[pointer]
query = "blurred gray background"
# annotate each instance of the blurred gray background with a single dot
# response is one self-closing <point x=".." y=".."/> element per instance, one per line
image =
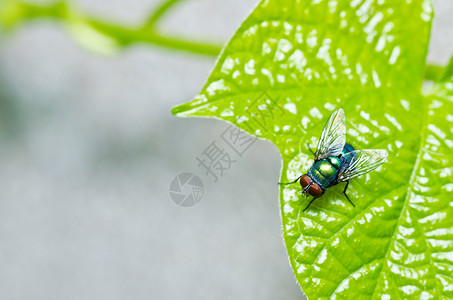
<point x="88" y="148"/>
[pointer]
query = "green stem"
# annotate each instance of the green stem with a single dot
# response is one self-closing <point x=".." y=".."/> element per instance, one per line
<point x="126" y="37"/>
<point x="160" y="11"/>
<point x="448" y="71"/>
<point x="439" y="73"/>
<point x="433" y="72"/>
<point x="17" y="13"/>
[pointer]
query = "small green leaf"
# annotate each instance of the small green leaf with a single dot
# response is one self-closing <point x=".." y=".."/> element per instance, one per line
<point x="287" y="68"/>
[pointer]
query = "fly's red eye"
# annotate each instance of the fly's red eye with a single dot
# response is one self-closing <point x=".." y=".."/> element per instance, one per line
<point x="315" y="190"/>
<point x="305" y="180"/>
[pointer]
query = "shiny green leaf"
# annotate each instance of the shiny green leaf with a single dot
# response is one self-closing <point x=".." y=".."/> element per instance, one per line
<point x="287" y="68"/>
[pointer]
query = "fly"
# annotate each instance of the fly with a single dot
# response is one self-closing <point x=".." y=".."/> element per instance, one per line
<point x="336" y="161"/>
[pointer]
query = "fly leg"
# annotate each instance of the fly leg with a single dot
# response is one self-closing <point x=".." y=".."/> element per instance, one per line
<point x="283" y="183"/>
<point x="310" y="203"/>
<point x="344" y="192"/>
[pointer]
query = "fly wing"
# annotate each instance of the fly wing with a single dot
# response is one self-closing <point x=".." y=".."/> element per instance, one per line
<point x="333" y="136"/>
<point x="361" y="162"/>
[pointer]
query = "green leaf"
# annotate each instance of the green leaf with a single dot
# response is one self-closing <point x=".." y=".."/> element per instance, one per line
<point x="287" y="68"/>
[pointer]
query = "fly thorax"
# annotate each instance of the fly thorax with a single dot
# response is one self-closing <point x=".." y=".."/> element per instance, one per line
<point x="334" y="161"/>
<point x="325" y="171"/>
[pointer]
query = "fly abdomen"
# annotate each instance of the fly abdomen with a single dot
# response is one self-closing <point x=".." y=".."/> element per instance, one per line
<point x="345" y="159"/>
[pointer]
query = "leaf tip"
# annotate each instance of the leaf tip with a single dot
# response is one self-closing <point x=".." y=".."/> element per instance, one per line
<point x="176" y="110"/>
<point x="180" y="110"/>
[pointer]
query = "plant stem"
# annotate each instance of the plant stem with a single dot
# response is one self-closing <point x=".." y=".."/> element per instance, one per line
<point x="439" y="73"/>
<point x="448" y="70"/>
<point x="433" y="72"/>
<point x="159" y="12"/>
<point x="18" y="12"/>
<point x="128" y="36"/>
